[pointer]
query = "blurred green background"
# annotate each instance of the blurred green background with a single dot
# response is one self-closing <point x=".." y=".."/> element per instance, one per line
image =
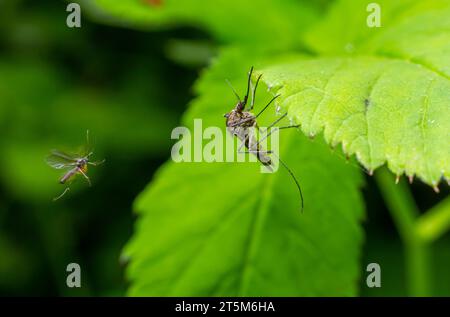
<point x="55" y="83"/>
<point x="129" y="88"/>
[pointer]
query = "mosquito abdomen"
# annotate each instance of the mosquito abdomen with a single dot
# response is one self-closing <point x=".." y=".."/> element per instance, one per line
<point x="264" y="159"/>
<point x="66" y="177"/>
<point x="258" y="151"/>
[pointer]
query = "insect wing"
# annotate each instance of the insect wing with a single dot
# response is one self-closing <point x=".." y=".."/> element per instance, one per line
<point x="245" y="135"/>
<point x="60" y="160"/>
<point x="240" y="132"/>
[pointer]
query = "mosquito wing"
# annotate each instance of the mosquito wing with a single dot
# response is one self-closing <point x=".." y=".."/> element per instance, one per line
<point x="245" y="135"/>
<point x="248" y="139"/>
<point x="240" y="132"/>
<point x="60" y="160"/>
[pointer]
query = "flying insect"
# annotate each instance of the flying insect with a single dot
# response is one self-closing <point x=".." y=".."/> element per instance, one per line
<point x="73" y="164"/>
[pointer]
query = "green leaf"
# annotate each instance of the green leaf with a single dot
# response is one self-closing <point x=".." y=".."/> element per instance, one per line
<point x="275" y="24"/>
<point x="387" y="102"/>
<point x="379" y="109"/>
<point x="344" y="29"/>
<point x="227" y="229"/>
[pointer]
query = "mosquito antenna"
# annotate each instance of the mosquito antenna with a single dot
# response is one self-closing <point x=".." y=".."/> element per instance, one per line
<point x="295" y="180"/>
<point x="263" y="109"/>
<point x="232" y="88"/>
<point x="254" y="92"/>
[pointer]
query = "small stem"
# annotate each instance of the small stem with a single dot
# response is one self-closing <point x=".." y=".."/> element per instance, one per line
<point x="417" y="266"/>
<point x="400" y="203"/>
<point x="435" y="222"/>
<point x="404" y="212"/>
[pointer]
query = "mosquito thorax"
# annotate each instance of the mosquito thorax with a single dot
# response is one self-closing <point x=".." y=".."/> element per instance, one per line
<point x="82" y="162"/>
<point x="237" y="118"/>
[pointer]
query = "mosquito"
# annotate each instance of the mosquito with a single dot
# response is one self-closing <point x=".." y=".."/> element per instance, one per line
<point x="241" y="122"/>
<point x="72" y="164"/>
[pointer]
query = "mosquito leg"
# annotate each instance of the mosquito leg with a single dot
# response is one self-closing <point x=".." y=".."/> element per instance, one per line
<point x="290" y="126"/>
<point x="244" y="142"/>
<point x="96" y="163"/>
<point x="244" y="102"/>
<point x="276" y="121"/>
<point x="252" y="148"/>
<point x="85" y="176"/>
<point x="250" y="145"/>
<point x="63" y="193"/>
<point x="288" y="170"/>
<point x="242" y="145"/>
<point x="261" y="155"/>
<point x="263" y="109"/>
<point x="88" y="146"/>
<point x="251" y="140"/>
<point x="251" y="118"/>
<point x="241" y="122"/>
<point x="280" y="128"/>
<point x="254" y="93"/>
<point x="255" y="152"/>
<point x="295" y="180"/>
<point x="271" y="131"/>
